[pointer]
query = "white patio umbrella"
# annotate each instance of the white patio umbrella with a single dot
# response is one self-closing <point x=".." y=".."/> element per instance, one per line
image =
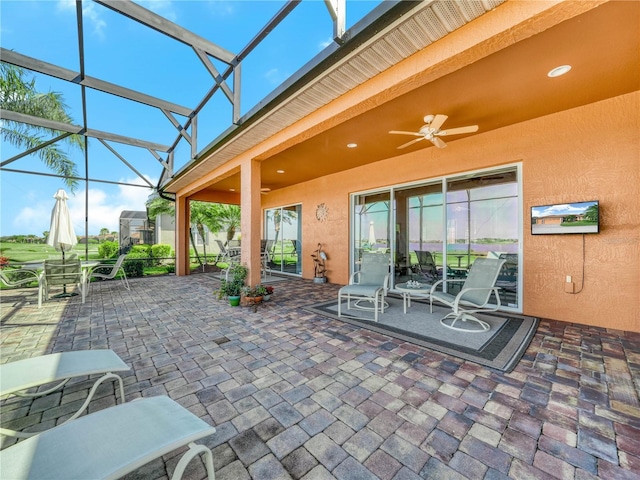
<point x="61" y="234"/>
<point x="372" y="235"/>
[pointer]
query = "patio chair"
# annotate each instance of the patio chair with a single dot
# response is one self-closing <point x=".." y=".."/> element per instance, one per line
<point x="62" y="272"/>
<point x="474" y="296"/>
<point x="111" y="443"/>
<point x="426" y="266"/>
<point x="108" y="271"/>
<point x="370" y="284"/>
<point x="58" y="368"/>
<point x="16" y="277"/>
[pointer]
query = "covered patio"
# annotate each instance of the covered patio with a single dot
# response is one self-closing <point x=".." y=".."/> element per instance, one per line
<point x="297" y="395"/>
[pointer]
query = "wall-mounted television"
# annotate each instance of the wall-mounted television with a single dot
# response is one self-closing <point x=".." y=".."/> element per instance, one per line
<point x="578" y="217"/>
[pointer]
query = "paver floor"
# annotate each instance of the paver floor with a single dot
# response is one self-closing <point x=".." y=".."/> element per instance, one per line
<point x="297" y="395"/>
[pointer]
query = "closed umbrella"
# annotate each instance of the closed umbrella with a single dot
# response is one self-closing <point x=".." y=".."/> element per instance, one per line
<point x="372" y="235"/>
<point x="61" y="234"/>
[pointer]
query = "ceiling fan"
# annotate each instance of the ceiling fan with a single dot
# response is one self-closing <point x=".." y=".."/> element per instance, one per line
<point x="431" y="131"/>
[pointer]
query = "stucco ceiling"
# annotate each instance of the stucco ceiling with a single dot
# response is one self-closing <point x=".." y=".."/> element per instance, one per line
<point x="504" y="88"/>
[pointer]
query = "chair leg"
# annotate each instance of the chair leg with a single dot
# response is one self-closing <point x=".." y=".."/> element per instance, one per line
<point x="124" y="277"/>
<point x="193" y="451"/>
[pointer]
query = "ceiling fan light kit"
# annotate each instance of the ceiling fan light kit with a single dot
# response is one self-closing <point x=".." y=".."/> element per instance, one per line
<point x="431" y="131"/>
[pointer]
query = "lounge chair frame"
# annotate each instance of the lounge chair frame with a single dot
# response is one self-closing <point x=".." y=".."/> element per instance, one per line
<point x="58" y="368"/>
<point x="112" y="442"/>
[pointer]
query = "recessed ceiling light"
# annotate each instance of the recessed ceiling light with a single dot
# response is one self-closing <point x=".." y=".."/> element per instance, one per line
<point x="232" y="189"/>
<point x="279" y="171"/>
<point x="561" y="70"/>
<point x="265" y="189"/>
<point x="352" y="145"/>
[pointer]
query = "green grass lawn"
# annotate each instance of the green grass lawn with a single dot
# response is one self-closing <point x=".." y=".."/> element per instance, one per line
<point x="33" y="252"/>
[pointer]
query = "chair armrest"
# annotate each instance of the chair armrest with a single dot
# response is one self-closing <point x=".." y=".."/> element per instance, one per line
<point x="460" y="294"/>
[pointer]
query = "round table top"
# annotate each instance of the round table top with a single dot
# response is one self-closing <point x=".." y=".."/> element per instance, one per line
<point x="423" y="288"/>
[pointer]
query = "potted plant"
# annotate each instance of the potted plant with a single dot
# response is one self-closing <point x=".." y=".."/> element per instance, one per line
<point x="269" y="290"/>
<point x="231" y="286"/>
<point x="319" y="267"/>
<point x="254" y="294"/>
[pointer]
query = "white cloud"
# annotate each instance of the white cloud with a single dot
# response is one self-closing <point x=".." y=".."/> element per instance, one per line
<point x="161" y="7"/>
<point x="90" y="13"/>
<point x="325" y="43"/>
<point x="104" y="209"/>
<point x="274" y="77"/>
<point x="221" y="8"/>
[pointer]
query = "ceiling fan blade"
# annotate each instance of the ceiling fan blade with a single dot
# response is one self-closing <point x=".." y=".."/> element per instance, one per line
<point x="438" y="121"/>
<point x="459" y="130"/>
<point x="405" y="133"/>
<point x="410" y="143"/>
<point x="438" y="142"/>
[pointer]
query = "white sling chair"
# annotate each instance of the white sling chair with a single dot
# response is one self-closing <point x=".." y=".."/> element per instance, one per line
<point x="58" y="368"/>
<point x="111" y="442"/>
<point x="370" y="284"/>
<point x="108" y="271"/>
<point x="474" y="296"/>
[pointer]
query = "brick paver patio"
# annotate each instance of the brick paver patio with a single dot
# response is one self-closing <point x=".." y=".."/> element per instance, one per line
<point x="296" y="395"/>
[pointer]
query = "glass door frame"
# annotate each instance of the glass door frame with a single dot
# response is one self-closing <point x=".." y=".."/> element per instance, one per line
<point x="444" y="180"/>
<point x="298" y="239"/>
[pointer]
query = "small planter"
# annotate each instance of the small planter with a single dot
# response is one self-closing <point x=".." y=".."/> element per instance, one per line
<point x="234" y="300"/>
<point x="254" y="300"/>
<point x="319" y="279"/>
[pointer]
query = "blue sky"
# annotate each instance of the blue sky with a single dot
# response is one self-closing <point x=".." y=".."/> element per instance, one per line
<point x="561" y="209"/>
<point x="121" y="51"/>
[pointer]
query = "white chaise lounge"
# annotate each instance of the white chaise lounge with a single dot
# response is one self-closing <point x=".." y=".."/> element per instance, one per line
<point x="111" y="443"/>
<point x="17" y="377"/>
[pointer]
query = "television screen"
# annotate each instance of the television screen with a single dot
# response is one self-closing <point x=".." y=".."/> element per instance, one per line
<point x="580" y="217"/>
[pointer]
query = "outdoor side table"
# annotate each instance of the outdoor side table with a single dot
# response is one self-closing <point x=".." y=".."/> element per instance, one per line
<point x="423" y="291"/>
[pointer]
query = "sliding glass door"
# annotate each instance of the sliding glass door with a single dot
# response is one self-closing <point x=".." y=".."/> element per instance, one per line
<point x="371" y="225"/>
<point x="283" y="236"/>
<point x="441" y="226"/>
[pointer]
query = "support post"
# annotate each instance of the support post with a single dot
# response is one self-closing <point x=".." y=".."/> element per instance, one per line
<point x="250" y="221"/>
<point x="182" y="235"/>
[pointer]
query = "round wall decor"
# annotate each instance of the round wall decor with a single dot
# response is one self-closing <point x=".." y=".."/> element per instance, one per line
<point x="322" y="212"/>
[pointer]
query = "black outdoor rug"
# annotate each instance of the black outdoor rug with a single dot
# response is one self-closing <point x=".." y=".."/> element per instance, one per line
<point x="500" y="348"/>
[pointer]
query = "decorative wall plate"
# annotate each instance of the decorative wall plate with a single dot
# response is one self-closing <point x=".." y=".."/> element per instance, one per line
<point x="322" y="212"/>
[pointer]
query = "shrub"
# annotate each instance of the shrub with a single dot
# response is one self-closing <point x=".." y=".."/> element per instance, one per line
<point x="141" y="248"/>
<point x="108" y="249"/>
<point x="133" y="267"/>
<point x="141" y="257"/>
<point x="160" y="251"/>
<point x="171" y="268"/>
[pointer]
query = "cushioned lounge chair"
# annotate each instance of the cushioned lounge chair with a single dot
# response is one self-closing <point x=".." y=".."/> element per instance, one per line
<point x="110" y="443"/>
<point x="19" y="376"/>
<point x="474" y="296"/>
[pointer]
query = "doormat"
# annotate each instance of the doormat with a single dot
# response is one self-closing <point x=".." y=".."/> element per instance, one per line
<point x="500" y="348"/>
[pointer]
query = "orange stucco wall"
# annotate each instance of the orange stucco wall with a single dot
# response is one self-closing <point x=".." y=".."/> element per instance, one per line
<point x="587" y="153"/>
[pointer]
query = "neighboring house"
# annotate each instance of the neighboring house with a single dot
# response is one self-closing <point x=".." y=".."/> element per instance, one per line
<point x="135" y="229"/>
<point x="321" y="153"/>
<point x="165" y="233"/>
